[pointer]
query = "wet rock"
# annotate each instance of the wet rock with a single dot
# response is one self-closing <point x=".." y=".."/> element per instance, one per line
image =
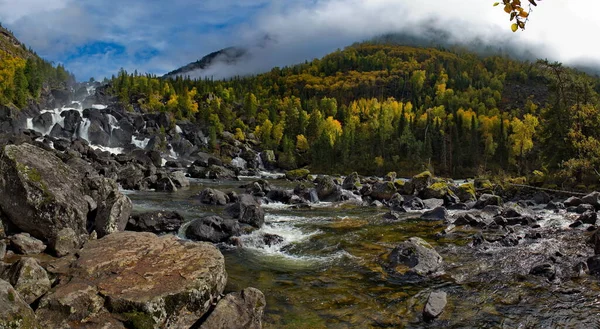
<point x="2" y="251"/>
<point x="439" y="213"/>
<point x="396" y="203"/>
<point x="383" y="191"/>
<point x="165" y="184"/>
<point x="488" y="200"/>
<point x="592" y="199"/>
<point x="15" y="313"/>
<point x="25" y="244"/>
<point x="49" y="193"/>
<point x="131" y="177"/>
<point x="326" y="187"/>
<point x="178" y="177"/>
<point x="213" y="197"/>
<point x="155" y="222"/>
<point x="573" y="202"/>
<point x="554" y="206"/>
<point x="467" y="219"/>
<point x="576" y="224"/>
<point x="218" y="172"/>
<point x="366" y="190"/>
<point x="212" y="229"/>
<point x="593" y="264"/>
<point x="588" y="218"/>
<point x="351" y="182"/>
<point x="282" y="196"/>
<point x="272" y="239"/>
<point x="595" y="241"/>
<point x="584" y="207"/>
<point x="238" y="310"/>
<point x="546" y="270"/>
<point x="436" y="302"/>
<point x="436" y="190"/>
<point x="247" y="210"/>
<point x="394" y="216"/>
<point x="28" y="278"/>
<point x="541" y="198"/>
<point x="510" y="240"/>
<point x="414" y="204"/>
<point x="167" y="282"/>
<point x="197" y="172"/>
<point x="268" y="159"/>
<point x="415" y="256"/>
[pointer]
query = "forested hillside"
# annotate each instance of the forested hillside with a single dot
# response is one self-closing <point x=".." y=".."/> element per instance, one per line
<point x="374" y="108"/>
<point x="23" y="74"/>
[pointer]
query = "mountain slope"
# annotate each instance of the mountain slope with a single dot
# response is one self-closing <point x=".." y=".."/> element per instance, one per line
<point x="227" y="56"/>
<point x="377" y="107"/>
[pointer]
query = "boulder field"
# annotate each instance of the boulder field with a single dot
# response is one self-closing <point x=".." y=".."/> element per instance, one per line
<point x="66" y="261"/>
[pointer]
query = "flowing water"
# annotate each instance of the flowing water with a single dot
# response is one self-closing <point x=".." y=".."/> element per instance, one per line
<point x="330" y="270"/>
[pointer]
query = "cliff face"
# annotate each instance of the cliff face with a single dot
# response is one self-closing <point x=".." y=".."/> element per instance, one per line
<point x="227" y="56"/>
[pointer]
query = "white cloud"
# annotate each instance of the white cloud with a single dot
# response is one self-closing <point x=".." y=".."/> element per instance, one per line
<point x="181" y="31"/>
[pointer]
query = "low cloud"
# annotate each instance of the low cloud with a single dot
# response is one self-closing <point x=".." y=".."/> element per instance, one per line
<point x="172" y="34"/>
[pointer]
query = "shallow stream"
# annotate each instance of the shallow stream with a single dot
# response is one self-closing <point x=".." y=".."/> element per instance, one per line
<point x="330" y="271"/>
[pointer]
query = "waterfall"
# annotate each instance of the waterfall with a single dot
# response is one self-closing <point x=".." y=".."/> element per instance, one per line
<point x="83" y="130"/>
<point x="261" y="165"/>
<point x="29" y="124"/>
<point x="178" y="130"/>
<point x="140" y="143"/>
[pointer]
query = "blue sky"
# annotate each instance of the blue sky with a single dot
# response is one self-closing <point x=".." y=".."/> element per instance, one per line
<point x="94" y="38"/>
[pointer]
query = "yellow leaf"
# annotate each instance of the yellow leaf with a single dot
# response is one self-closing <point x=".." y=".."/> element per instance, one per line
<point x="514" y="27"/>
<point x="496" y="3"/>
<point x="524" y="14"/>
<point x="508" y="8"/>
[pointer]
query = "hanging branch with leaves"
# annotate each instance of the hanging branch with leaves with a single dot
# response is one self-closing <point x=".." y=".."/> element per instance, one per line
<point x="517" y="12"/>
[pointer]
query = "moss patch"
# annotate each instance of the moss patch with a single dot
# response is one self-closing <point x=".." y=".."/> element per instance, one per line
<point x="139" y="320"/>
<point x="297" y="174"/>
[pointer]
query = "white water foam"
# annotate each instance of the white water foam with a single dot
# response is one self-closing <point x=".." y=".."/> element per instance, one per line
<point x="178" y="129"/>
<point x="99" y="107"/>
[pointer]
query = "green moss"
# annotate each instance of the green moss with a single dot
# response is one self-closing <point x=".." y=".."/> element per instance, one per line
<point x="11" y="297"/>
<point x="34" y="176"/>
<point x="466" y="192"/>
<point x="483" y="184"/>
<point x="425" y="174"/>
<point x="139" y="320"/>
<point x="297" y="174"/>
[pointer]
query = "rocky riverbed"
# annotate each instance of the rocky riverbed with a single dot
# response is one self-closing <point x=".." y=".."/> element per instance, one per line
<point x="156" y="235"/>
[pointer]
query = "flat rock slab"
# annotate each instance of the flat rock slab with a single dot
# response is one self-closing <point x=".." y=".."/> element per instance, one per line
<point x="163" y="281"/>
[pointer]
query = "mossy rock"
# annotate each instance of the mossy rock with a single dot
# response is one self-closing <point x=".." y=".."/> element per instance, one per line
<point x="139" y="320"/>
<point x="483" y="184"/>
<point x="466" y="192"/>
<point x="518" y="180"/>
<point x="436" y="190"/>
<point x="297" y="174"/>
<point x="390" y="177"/>
<point x="421" y="181"/>
<point x="537" y="178"/>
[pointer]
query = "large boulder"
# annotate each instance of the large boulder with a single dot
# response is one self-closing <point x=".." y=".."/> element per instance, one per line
<point x="466" y="192"/>
<point x="213" y="197"/>
<point x="15" y="313"/>
<point x="437" y="190"/>
<point x="41" y="194"/>
<point x="155" y="222"/>
<point x="351" y="182"/>
<point x="297" y="174"/>
<point x="162" y="282"/>
<point x="438" y="213"/>
<point x="383" y="191"/>
<point x="421" y="181"/>
<point x="242" y="309"/>
<point x="415" y="256"/>
<point x="212" y="229"/>
<point x="592" y="199"/>
<point x="113" y="207"/>
<point x="325" y="187"/>
<point x="28" y="278"/>
<point x="488" y="200"/>
<point x="247" y="211"/>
